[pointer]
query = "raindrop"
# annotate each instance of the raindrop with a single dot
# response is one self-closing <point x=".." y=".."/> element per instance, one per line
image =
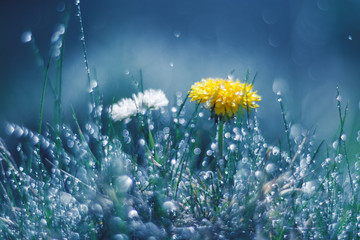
<point x="26" y="37"/>
<point x="60" y="7"/>
<point x="350" y="37"/>
<point x="177" y="34"/>
<point x="269" y="17"/>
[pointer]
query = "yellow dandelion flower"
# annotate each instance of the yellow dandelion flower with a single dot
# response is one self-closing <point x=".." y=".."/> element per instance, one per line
<point x="224" y="97"/>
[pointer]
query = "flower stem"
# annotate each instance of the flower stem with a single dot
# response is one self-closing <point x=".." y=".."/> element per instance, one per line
<point x="220" y="138"/>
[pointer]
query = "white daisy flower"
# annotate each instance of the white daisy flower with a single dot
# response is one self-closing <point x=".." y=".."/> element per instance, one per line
<point x="125" y="108"/>
<point x="154" y="99"/>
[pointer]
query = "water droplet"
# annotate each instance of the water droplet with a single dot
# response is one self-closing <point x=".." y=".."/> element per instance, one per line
<point x="338" y="98"/>
<point x="9" y="129"/>
<point x="141" y="142"/>
<point x="343" y="137"/>
<point x="93" y="85"/>
<point x="350" y="37"/>
<point x="18" y="131"/>
<point x="177" y="34"/>
<point x="133" y="214"/>
<point x="171" y="64"/>
<point x="127" y="72"/>
<point x="258" y="174"/>
<point x="60" y="7"/>
<point x="26" y="37"/>
<point x="169" y="206"/>
<point x="70" y="143"/>
<point x="174" y="109"/>
<point x="335" y="144"/>
<point x="270" y="168"/>
<point x="123" y="183"/>
<point x="275" y="151"/>
<point x="232" y="147"/>
<point x="197" y="151"/>
<point x="201" y="114"/>
<point x="279" y="86"/>
<point x="209" y="152"/>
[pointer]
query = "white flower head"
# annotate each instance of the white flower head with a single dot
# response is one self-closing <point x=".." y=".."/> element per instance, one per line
<point x="154" y="99"/>
<point x="125" y="108"/>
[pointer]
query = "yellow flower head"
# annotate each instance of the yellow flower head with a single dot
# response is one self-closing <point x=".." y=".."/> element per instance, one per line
<point x="224" y="97"/>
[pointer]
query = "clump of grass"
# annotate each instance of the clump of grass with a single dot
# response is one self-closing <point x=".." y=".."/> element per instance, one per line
<point x="158" y="174"/>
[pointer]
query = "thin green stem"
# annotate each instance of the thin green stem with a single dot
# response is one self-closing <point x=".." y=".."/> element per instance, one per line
<point x="220" y="138"/>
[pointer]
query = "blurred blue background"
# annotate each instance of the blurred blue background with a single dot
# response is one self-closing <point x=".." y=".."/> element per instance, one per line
<point x="302" y="48"/>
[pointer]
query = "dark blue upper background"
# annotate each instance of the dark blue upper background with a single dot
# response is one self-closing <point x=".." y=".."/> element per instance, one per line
<point x="303" y="48"/>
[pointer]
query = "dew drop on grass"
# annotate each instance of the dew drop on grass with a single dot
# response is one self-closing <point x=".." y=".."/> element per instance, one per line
<point x="270" y="168"/>
<point x="141" y="142"/>
<point x="227" y="135"/>
<point x="335" y="144"/>
<point x="209" y="152"/>
<point x="275" y="151"/>
<point x="343" y="137"/>
<point x="174" y="109"/>
<point x="133" y="214"/>
<point x="197" y="151"/>
<point x="258" y="174"/>
<point x="9" y="129"/>
<point x="232" y="147"/>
